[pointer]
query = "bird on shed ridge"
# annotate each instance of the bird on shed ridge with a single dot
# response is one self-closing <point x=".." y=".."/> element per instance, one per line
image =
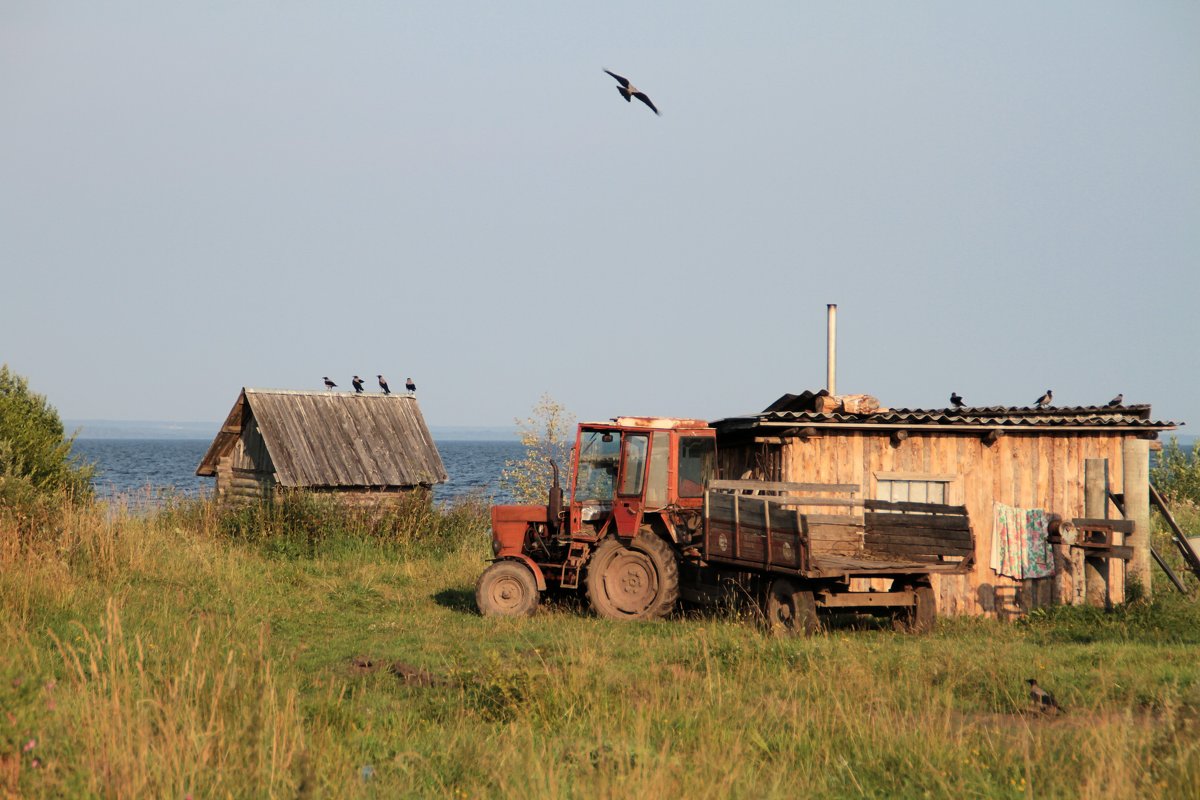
<point x="408" y="384"/>
<point x="383" y="385"/>
<point x="1045" y="399"/>
<point x="1116" y="401"/>
<point x="629" y="91"/>
<point x="357" y="384"/>
<point x="956" y="400"/>
<point x="329" y="385"/>
<point x="1042" y="700"/>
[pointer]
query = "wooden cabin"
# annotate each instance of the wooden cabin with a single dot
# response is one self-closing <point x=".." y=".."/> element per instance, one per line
<point x="365" y="447"/>
<point x="1028" y="458"/>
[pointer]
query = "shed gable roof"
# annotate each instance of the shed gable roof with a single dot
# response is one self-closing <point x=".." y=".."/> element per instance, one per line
<point x="335" y="439"/>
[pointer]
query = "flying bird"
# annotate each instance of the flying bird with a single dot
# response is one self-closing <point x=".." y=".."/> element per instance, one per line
<point x="383" y="385"/>
<point x="329" y="384"/>
<point x="357" y="384"/>
<point x="1045" y="399"/>
<point x="629" y="91"/>
<point x="1116" y="401"/>
<point x="408" y="384"/>
<point x="1042" y="700"/>
<point x="956" y="400"/>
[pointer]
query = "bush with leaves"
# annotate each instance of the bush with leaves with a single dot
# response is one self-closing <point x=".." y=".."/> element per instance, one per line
<point x="547" y="433"/>
<point x="1177" y="473"/>
<point x="36" y="465"/>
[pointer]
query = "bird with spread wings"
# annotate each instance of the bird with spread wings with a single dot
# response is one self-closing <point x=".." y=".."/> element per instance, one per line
<point x="629" y="91"/>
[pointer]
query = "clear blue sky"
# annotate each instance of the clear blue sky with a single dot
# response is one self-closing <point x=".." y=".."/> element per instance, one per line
<point x="1001" y="197"/>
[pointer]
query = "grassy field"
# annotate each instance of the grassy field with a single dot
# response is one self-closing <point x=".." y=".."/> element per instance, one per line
<point x="292" y="654"/>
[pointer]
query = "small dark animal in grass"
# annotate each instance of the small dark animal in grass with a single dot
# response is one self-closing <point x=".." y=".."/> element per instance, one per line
<point x="1045" y="399"/>
<point x="956" y="400"/>
<point x="1116" y="401"/>
<point x="629" y="91"/>
<point x="1042" y="700"/>
<point x="408" y="384"/>
<point x="329" y="385"/>
<point x="383" y="385"/>
<point x="357" y="384"/>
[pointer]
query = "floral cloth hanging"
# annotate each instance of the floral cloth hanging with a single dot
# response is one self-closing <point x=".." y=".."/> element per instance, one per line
<point x="1020" y="545"/>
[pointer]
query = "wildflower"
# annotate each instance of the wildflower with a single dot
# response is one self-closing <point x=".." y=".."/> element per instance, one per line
<point x="32" y="743"/>
<point x="35" y="763"/>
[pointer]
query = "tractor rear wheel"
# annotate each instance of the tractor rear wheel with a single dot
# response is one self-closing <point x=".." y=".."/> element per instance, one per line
<point x="506" y="589"/>
<point x="635" y="581"/>
<point x="791" y="612"/>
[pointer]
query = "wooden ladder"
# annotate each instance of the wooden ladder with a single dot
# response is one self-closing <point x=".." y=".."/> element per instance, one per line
<point x="573" y="566"/>
<point x="1178" y="537"/>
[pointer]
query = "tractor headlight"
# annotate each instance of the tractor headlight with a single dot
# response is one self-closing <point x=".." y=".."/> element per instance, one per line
<point x="495" y="546"/>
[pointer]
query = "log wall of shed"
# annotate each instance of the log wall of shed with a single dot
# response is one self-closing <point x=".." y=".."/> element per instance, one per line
<point x="247" y="472"/>
<point x="1028" y="470"/>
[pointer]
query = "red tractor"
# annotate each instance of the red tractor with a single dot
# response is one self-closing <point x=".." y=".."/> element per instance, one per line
<point x="635" y="510"/>
<point x="648" y="519"/>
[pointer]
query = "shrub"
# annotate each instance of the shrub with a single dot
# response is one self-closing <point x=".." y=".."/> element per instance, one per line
<point x="36" y="465"/>
<point x="1177" y="473"/>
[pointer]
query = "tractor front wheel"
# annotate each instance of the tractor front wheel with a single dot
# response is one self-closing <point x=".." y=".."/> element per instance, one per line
<point x="635" y="581"/>
<point x="506" y="589"/>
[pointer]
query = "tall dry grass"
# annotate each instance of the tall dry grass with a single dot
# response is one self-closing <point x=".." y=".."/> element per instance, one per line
<point x="191" y="652"/>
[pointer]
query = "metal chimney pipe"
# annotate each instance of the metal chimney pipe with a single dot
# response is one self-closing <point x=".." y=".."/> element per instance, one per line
<point x="831" y="360"/>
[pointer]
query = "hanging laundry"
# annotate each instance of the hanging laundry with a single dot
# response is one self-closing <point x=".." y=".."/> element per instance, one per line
<point x="1020" y="545"/>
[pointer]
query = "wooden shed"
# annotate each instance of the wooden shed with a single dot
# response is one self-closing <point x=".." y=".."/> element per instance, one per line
<point x="362" y="446"/>
<point x="1028" y="458"/>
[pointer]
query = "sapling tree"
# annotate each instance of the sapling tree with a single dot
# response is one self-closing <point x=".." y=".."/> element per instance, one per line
<point x="547" y="433"/>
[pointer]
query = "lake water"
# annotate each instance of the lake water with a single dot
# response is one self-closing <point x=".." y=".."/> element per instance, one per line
<point x="145" y="469"/>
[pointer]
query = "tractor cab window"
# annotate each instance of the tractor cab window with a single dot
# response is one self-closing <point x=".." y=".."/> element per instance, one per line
<point x="697" y="464"/>
<point x="599" y="454"/>
<point x="633" y="466"/>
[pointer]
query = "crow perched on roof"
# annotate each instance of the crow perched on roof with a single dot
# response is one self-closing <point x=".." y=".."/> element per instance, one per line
<point x="1042" y="700"/>
<point x="357" y="384"/>
<point x="1116" y="401"/>
<point x="408" y="384"/>
<point x="1045" y="399"/>
<point x="629" y="91"/>
<point x="956" y="400"/>
<point x="383" y="385"/>
<point x="329" y="384"/>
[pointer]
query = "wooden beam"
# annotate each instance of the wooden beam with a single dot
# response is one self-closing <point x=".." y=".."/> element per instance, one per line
<point x="785" y="486"/>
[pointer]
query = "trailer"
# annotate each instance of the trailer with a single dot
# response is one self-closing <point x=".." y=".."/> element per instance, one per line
<point x="646" y="520"/>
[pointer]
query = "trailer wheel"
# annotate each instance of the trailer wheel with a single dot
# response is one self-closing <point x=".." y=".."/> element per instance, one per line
<point x="791" y="612"/>
<point x="921" y="617"/>
<point x="506" y="589"/>
<point x="635" y="581"/>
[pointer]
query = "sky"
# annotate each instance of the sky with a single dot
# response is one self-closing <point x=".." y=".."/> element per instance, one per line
<point x="1000" y="197"/>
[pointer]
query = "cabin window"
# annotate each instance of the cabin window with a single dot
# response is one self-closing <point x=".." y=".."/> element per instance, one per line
<point x="633" y="463"/>
<point x="913" y="487"/>
<point x="697" y="463"/>
<point x="597" y="466"/>
<point x="656" y="485"/>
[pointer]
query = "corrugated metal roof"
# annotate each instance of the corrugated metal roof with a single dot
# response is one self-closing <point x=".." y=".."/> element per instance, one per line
<point x="335" y="439"/>
<point x="789" y="409"/>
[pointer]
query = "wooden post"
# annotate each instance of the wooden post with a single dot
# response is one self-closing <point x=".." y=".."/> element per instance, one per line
<point x="1095" y="503"/>
<point x="1135" y="458"/>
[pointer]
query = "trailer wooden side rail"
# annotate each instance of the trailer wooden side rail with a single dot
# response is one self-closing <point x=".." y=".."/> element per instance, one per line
<point x="776" y="529"/>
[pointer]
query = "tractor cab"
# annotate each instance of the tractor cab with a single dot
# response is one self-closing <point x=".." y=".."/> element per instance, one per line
<point x="633" y="467"/>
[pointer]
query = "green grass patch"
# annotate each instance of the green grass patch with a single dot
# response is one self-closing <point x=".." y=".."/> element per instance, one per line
<point x="264" y="654"/>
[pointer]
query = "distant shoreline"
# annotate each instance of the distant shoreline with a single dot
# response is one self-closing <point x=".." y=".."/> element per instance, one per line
<point x="158" y="429"/>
